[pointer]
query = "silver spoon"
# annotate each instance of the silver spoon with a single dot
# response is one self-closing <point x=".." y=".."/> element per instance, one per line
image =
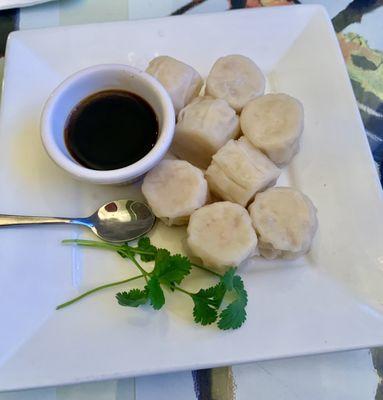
<point x="116" y="221"/>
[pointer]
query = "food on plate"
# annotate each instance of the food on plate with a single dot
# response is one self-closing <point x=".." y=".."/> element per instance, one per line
<point x="280" y="222"/>
<point x="285" y="221"/>
<point x="203" y="127"/>
<point x="236" y="79"/>
<point x="174" y="189"/>
<point x="221" y="235"/>
<point x="181" y="81"/>
<point x="274" y="123"/>
<point x="238" y="171"/>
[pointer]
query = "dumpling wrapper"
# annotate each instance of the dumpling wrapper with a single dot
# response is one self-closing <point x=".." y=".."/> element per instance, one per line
<point x="238" y="171"/>
<point x="285" y="221"/>
<point x="174" y="189"/>
<point x="180" y="80"/>
<point x="236" y="79"/>
<point x="274" y="124"/>
<point x="221" y="235"/>
<point x="203" y="127"/>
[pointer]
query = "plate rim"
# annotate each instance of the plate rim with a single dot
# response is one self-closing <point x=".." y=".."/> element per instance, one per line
<point x="22" y="4"/>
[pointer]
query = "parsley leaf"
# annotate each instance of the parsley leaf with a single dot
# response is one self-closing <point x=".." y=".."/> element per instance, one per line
<point x="170" y="269"/>
<point x="133" y="298"/>
<point x="203" y="312"/>
<point x="214" y="294"/>
<point x="124" y="251"/>
<point x="155" y="293"/>
<point x="239" y="288"/>
<point x="207" y="303"/>
<point x="145" y="245"/>
<point x="234" y="315"/>
<point x="227" y="279"/>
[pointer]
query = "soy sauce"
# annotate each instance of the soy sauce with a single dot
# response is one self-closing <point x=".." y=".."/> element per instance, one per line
<point x="111" y="129"/>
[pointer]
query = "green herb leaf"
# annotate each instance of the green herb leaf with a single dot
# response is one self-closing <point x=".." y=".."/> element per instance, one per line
<point x="227" y="279"/>
<point x="214" y="294"/>
<point x="124" y="251"/>
<point x="133" y="298"/>
<point x="207" y="303"/>
<point x="234" y="315"/>
<point x="155" y="293"/>
<point x="203" y="312"/>
<point x="239" y="288"/>
<point x="170" y="269"/>
<point x="145" y="245"/>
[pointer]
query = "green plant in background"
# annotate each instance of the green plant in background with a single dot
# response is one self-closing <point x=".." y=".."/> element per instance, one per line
<point x="365" y="68"/>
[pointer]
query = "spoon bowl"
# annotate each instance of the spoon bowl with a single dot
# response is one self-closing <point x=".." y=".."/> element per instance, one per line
<point x="117" y="221"/>
<point x="121" y="220"/>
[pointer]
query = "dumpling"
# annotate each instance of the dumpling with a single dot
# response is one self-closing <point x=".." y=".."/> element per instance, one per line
<point x="181" y="81"/>
<point x="203" y="127"/>
<point x="174" y="189"/>
<point x="238" y="171"/>
<point x="221" y="235"/>
<point x="274" y="123"/>
<point x="285" y="221"/>
<point x="236" y="79"/>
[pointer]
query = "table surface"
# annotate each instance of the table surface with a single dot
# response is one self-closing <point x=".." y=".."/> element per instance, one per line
<point x="354" y="375"/>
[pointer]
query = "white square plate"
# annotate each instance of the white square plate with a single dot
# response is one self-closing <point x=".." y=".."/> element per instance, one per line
<point x="316" y="304"/>
<point x="5" y="4"/>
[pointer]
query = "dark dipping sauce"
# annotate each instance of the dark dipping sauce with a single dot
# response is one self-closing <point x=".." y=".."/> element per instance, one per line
<point x="111" y="129"/>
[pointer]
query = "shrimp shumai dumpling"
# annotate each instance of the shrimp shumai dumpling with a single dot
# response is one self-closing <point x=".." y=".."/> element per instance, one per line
<point x="221" y="235"/>
<point x="203" y="127"/>
<point x="274" y="124"/>
<point x="285" y="221"/>
<point x="174" y="189"/>
<point x="180" y="80"/>
<point x="238" y="171"/>
<point x="236" y="79"/>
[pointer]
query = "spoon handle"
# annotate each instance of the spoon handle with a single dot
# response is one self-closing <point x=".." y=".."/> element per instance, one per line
<point x="8" y="220"/>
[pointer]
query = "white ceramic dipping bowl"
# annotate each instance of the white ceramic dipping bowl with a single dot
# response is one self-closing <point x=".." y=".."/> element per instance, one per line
<point x="92" y="80"/>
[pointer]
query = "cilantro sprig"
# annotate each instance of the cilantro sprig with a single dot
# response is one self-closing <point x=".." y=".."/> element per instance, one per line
<point x="209" y="304"/>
